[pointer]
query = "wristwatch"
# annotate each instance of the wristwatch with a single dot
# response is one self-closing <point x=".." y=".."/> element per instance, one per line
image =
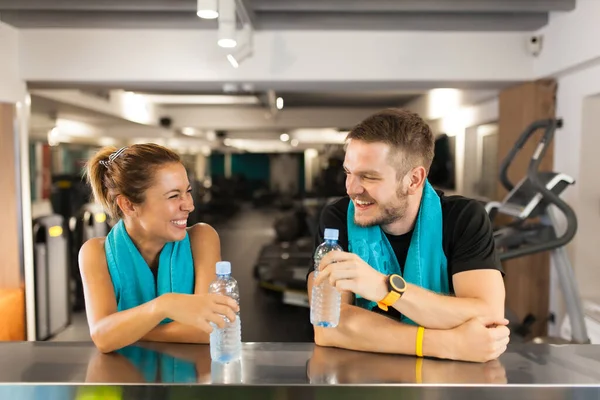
<point x="396" y="286"/>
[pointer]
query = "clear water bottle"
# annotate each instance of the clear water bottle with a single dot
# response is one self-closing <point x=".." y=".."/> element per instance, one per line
<point x="226" y="372"/>
<point x="226" y="343"/>
<point x="325" y="299"/>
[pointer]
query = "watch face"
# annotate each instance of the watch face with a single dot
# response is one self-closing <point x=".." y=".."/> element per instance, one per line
<point x="397" y="282"/>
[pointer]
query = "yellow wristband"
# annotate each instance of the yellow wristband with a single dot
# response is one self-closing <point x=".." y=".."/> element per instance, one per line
<point x="419" y="370"/>
<point x="420" y="332"/>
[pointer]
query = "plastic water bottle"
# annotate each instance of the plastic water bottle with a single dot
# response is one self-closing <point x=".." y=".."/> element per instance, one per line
<point x="325" y="298"/>
<point x="226" y="343"/>
<point x="226" y="372"/>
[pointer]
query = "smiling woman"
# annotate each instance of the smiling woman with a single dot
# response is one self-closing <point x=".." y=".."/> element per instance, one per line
<point x="148" y="279"/>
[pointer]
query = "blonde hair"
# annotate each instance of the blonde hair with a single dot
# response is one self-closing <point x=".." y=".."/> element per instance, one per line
<point x="128" y="171"/>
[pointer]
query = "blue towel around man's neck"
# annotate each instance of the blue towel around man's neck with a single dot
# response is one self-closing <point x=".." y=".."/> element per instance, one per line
<point x="132" y="279"/>
<point x="426" y="264"/>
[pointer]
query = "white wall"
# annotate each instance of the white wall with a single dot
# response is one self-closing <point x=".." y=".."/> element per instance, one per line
<point x="570" y="40"/>
<point x="279" y="56"/>
<point x="12" y="88"/>
<point x="571" y="55"/>
<point x="588" y="203"/>
<point x="572" y="90"/>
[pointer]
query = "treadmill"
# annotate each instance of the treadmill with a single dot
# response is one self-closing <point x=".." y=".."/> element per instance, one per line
<point x="532" y="203"/>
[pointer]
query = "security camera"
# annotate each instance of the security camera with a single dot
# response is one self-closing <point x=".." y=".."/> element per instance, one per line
<point x="534" y="44"/>
<point x="165" y="122"/>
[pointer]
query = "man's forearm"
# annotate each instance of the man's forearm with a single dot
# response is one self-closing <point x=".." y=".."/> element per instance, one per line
<point x="364" y="330"/>
<point x="175" y="332"/>
<point x="436" y="311"/>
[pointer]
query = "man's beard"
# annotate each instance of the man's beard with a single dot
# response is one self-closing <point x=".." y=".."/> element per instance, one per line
<point x="389" y="213"/>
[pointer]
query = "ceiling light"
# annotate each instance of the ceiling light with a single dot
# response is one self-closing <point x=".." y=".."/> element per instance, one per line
<point x="235" y="59"/>
<point x="311" y="153"/>
<point x="294" y="142"/>
<point x="284" y="137"/>
<point x="206" y="150"/>
<point x="227" y="43"/>
<point x="232" y="61"/>
<point x="53" y="137"/>
<point x="279" y="103"/>
<point x="211" y="135"/>
<point x="227" y="24"/>
<point x="107" y="141"/>
<point x="207" y="99"/>
<point x="244" y="47"/>
<point x="207" y="9"/>
<point x="188" y="131"/>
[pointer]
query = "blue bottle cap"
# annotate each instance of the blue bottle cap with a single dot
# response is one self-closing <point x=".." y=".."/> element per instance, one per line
<point x="223" y="268"/>
<point x="331" y="234"/>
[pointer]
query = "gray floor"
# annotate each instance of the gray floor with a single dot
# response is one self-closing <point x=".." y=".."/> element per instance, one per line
<point x="264" y="318"/>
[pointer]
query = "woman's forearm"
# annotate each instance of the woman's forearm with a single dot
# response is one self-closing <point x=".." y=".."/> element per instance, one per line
<point x="123" y="328"/>
<point x="176" y="332"/>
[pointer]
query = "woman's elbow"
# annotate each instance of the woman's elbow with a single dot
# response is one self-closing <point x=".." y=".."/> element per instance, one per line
<point x="322" y="337"/>
<point x="100" y="341"/>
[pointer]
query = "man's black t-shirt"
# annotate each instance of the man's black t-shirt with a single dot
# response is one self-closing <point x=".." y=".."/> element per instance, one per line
<point x="467" y="237"/>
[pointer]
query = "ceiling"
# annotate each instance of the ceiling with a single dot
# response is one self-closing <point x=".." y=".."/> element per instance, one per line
<point x="431" y="15"/>
<point x="304" y="101"/>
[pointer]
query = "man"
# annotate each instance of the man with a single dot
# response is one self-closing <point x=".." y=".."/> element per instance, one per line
<point x="419" y="274"/>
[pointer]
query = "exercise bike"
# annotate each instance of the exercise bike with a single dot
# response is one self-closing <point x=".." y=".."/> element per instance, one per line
<point x="535" y="227"/>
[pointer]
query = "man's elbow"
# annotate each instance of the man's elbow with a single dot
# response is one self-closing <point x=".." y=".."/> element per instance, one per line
<point x="493" y="311"/>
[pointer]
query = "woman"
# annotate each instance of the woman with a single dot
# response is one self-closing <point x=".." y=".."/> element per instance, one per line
<point x="148" y="279"/>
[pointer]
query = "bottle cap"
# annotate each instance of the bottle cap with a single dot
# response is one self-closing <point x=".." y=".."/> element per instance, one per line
<point x="223" y="268"/>
<point x="331" y="234"/>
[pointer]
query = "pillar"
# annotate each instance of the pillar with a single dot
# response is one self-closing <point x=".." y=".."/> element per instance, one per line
<point x="527" y="278"/>
<point x="14" y="181"/>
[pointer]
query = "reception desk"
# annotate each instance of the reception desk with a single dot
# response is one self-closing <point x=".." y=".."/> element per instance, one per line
<point x="72" y="370"/>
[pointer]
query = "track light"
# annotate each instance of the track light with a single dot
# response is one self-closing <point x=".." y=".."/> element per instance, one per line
<point x="244" y="48"/>
<point x="233" y="61"/>
<point x="227" y="43"/>
<point x="227" y="24"/>
<point x="207" y="9"/>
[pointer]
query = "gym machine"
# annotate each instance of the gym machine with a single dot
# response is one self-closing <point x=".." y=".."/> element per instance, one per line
<point x="535" y="228"/>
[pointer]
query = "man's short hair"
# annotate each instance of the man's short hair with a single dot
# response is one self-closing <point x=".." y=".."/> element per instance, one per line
<point x="406" y="133"/>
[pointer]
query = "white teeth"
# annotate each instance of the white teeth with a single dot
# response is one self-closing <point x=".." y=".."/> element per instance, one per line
<point x="181" y="222"/>
<point x="362" y="203"/>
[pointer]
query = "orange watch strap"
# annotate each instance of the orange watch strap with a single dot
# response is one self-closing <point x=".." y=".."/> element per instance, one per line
<point x="388" y="300"/>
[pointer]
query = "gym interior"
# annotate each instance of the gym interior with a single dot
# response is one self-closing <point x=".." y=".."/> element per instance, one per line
<point x="511" y="90"/>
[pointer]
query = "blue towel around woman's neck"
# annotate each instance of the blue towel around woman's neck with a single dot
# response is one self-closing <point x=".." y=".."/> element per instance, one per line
<point x="426" y="264"/>
<point x="132" y="279"/>
<point x="158" y="367"/>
